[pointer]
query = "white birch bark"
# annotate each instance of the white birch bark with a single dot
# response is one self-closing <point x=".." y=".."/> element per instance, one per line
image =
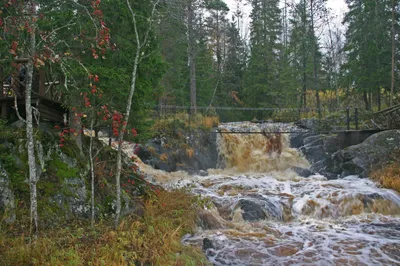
<point x="138" y="56"/>
<point x="92" y="173"/>
<point x="29" y="130"/>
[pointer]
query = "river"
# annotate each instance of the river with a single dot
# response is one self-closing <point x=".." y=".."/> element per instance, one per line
<point x="263" y="213"/>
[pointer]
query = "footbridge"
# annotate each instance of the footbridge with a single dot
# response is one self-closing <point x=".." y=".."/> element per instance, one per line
<point x="351" y="124"/>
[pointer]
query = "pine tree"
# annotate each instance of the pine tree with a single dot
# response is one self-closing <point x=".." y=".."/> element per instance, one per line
<point x="262" y="77"/>
<point x="368" y="47"/>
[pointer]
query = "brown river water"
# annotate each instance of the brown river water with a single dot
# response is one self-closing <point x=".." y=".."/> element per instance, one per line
<point x="262" y="213"/>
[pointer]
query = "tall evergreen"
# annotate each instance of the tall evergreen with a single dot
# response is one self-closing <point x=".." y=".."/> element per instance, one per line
<point x="232" y="81"/>
<point x="262" y="78"/>
<point x="368" y="47"/>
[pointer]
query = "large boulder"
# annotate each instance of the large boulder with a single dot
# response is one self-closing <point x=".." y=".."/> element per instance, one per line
<point x="303" y="172"/>
<point x="257" y="207"/>
<point x="318" y="150"/>
<point x="191" y="152"/>
<point x="363" y="158"/>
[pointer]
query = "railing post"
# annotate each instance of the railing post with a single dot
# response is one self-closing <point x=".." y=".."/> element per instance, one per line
<point x="348" y="118"/>
<point x="356" y="117"/>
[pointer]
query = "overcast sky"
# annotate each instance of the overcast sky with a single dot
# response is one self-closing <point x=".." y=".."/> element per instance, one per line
<point x="338" y="8"/>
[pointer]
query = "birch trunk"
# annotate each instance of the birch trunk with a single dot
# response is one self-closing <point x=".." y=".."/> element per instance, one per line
<point x="92" y="172"/>
<point x="121" y="136"/>
<point x="138" y="56"/>
<point x="29" y="133"/>
<point x="393" y="52"/>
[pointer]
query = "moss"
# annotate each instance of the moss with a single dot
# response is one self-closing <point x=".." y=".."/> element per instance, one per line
<point x="61" y="169"/>
<point x="15" y="173"/>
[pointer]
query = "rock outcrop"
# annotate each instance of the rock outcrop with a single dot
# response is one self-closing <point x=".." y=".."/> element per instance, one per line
<point x="370" y="155"/>
<point x="192" y="153"/>
<point x="63" y="185"/>
<point x="318" y="150"/>
<point x="326" y="158"/>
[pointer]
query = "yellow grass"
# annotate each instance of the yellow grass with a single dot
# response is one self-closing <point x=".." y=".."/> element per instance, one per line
<point x="164" y="157"/>
<point x="154" y="239"/>
<point x="388" y="177"/>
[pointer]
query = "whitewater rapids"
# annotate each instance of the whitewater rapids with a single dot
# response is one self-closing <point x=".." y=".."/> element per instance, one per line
<point x="263" y="213"/>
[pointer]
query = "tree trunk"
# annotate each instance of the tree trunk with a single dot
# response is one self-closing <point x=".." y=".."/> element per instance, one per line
<point x="29" y="133"/>
<point x="91" y="161"/>
<point x="379" y="98"/>
<point x="304" y="56"/>
<point x="365" y="97"/>
<point x="192" y="60"/>
<point x="370" y="101"/>
<point x="393" y="52"/>
<point x="315" y="62"/>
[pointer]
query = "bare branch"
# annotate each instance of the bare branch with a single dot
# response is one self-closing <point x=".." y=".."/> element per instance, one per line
<point x="55" y="30"/>
<point x="16" y="108"/>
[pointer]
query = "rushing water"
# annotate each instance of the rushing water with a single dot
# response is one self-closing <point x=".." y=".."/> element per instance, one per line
<point x="265" y="214"/>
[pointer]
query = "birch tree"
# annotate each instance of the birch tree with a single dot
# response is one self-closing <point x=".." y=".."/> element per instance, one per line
<point x="141" y="39"/>
<point x="40" y="44"/>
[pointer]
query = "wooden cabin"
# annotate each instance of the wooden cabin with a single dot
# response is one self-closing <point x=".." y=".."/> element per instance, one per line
<point x="45" y="95"/>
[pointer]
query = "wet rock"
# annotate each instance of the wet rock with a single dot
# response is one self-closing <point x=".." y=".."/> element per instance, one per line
<point x="203" y="173"/>
<point x="331" y="144"/>
<point x="259" y="208"/>
<point x="143" y="153"/>
<point x="208" y="221"/>
<point x="7" y="199"/>
<point x="303" y="172"/>
<point x="251" y="210"/>
<point x="323" y="168"/>
<point x="207" y="244"/>
<point x="318" y="149"/>
<point x="314" y="153"/>
<point x="363" y="158"/>
<point x="315" y="140"/>
<point x="297" y="139"/>
<point x="200" y="152"/>
<point x="223" y="210"/>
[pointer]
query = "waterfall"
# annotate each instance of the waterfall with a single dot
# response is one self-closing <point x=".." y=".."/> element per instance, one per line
<point x="259" y="152"/>
<point x="263" y="213"/>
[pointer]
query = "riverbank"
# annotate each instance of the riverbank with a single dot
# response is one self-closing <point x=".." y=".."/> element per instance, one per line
<point x="153" y="239"/>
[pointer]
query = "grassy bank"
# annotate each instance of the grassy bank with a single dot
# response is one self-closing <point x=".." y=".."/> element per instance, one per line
<point x="388" y="177"/>
<point x="154" y="239"/>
